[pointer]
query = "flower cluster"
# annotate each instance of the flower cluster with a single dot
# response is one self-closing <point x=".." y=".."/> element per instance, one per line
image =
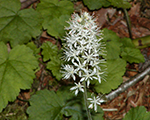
<point x="83" y="50"/>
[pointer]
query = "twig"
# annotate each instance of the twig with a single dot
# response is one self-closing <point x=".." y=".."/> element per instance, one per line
<point x="127" y="84"/>
<point x="110" y="109"/>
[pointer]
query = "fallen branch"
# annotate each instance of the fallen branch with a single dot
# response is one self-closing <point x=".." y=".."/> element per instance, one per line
<point x="127" y="84"/>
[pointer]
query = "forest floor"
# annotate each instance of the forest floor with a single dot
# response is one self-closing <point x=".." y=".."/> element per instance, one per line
<point x="113" y="19"/>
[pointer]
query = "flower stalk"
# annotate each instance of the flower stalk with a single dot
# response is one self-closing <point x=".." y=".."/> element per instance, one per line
<point x="86" y="103"/>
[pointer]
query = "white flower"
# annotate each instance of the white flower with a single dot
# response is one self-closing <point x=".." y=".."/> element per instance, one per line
<point x="86" y="16"/>
<point x="69" y="72"/>
<point x="89" y="56"/>
<point x="71" y="40"/>
<point x="71" y="54"/>
<point x="94" y="102"/>
<point x="77" y="88"/>
<point x="88" y="76"/>
<point x="82" y="46"/>
<point x="80" y="66"/>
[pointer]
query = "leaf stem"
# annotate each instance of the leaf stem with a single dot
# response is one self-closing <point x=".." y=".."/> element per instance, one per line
<point x="85" y="101"/>
<point x="128" y="22"/>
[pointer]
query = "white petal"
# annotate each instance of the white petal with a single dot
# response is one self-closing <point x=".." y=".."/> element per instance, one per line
<point x="76" y="92"/>
<point x="82" y="79"/>
<point x="89" y="99"/>
<point x="82" y="90"/>
<point x="101" y="100"/>
<point x="73" y="88"/>
<point x="95" y="107"/>
<point x="90" y="106"/>
<point x="98" y="103"/>
<point x="88" y="83"/>
<point x="74" y="78"/>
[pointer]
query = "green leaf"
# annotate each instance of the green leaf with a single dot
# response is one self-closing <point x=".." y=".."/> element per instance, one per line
<point x="35" y="50"/>
<point x="129" y="52"/>
<point x="57" y="30"/>
<point x="115" y="71"/>
<point x="124" y="47"/>
<point x="138" y="113"/>
<point x="120" y="3"/>
<point x="16" y="71"/>
<point x="132" y="55"/>
<point x="18" y="26"/>
<point x="49" y="50"/>
<point x="74" y="104"/>
<point x="55" y="65"/>
<point x="47" y="105"/>
<point x="96" y="4"/>
<point x="55" y="14"/>
<point x="115" y="65"/>
<point x="112" y="44"/>
<point x="127" y="42"/>
<point x="99" y="114"/>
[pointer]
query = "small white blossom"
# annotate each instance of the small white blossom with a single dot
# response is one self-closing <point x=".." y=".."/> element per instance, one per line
<point x="71" y="54"/>
<point x="89" y="56"/>
<point x="78" y="88"/>
<point x="80" y="66"/>
<point x="69" y="72"/>
<point x="94" y="102"/>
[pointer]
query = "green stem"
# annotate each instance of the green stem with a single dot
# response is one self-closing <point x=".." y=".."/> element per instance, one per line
<point x="85" y="101"/>
<point x="128" y="22"/>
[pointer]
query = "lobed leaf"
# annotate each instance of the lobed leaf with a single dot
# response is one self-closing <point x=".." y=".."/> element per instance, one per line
<point x="16" y="71"/>
<point x="112" y="44"/>
<point x="34" y="48"/>
<point x="49" y="50"/>
<point x="18" y="26"/>
<point x="54" y="65"/>
<point x="117" y="47"/>
<point x="120" y="3"/>
<point x="115" y="71"/>
<point x="138" y="113"/>
<point x="132" y="55"/>
<point x="127" y="42"/>
<point x="55" y="14"/>
<point x="47" y="105"/>
<point x="96" y="4"/>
